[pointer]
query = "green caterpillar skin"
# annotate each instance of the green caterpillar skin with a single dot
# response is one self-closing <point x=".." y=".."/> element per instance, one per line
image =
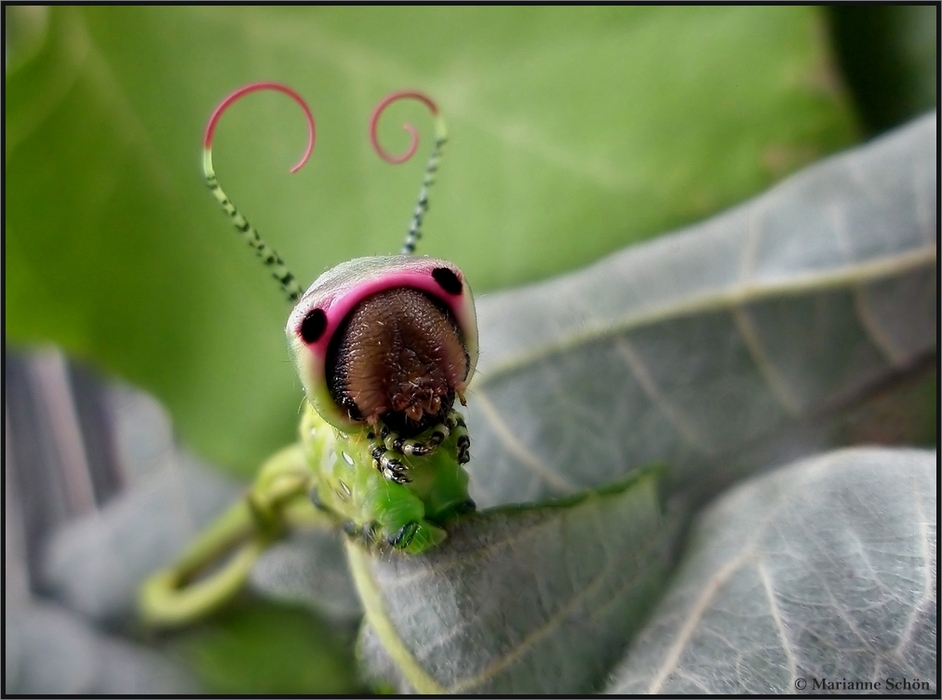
<point x="406" y="517"/>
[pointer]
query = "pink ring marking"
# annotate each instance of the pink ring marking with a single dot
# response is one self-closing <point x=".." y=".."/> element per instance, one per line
<point x="339" y="307"/>
<point x="414" y="143"/>
<point x="241" y="92"/>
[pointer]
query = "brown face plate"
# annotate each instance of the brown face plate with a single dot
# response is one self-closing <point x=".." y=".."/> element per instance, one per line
<point x="399" y="359"/>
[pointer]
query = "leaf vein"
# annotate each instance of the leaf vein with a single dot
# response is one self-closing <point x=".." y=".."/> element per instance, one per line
<point x="697" y="612"/>
<point x="681" y="422"/>
<point x="779" y="622"/>
<point x="515" y="447"/>
<point x="723" y="299"/>
<point x="892" y="353"/>
<point x="773" y="378"/>
<point x="553" y="622"/>
<point x="928" y="577"/>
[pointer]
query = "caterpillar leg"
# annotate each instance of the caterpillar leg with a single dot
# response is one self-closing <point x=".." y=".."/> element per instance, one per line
<point x="413" y="537"/>
<point x="416" y="536"/>
<point x="366" y="532"/>
<point x="383" y="459"/>
<point x="453" y="423"/>
<point x="399" y="519"/>
<point x="384" y="448"/>
<point x="463" y="443"/>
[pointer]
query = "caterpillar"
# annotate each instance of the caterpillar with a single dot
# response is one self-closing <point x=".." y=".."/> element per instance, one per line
<point x="384" y="347"/>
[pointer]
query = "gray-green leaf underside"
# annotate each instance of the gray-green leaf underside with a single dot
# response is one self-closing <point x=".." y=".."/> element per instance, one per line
<point x="823" y="570"/>
<point x="701" y="349"/>
<point x="696" y="346"/>
<point x="498" y="610"/>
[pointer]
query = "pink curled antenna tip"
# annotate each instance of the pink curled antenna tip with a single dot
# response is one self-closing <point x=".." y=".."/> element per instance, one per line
<point x="241" y="92"/>
<point x="380" y="108"/>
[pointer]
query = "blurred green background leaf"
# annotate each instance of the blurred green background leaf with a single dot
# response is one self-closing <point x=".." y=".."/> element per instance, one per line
<point x="268" y="649"/>
<point x="574" y="132"/>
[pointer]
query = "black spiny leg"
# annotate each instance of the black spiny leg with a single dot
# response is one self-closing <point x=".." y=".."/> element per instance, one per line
<point x="415" y="448"/>
<point x="390" y="467"/>
<point x="463" y="443"/>
<point x="390" y="443"/>
<point x="404" y="536"/>
<point x="453" y="423"/>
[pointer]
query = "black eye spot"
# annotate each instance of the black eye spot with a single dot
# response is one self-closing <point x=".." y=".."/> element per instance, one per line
<point x="313" y="326"/>
<point x="447" y="280"/>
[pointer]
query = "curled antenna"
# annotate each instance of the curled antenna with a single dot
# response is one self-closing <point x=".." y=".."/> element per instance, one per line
<point x="268" y="255"/>
<point x="441" y="136"/>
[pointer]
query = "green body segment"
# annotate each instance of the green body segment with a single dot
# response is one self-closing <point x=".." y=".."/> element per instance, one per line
<point x="333" y="471"/>
<point x="347" y="484"/>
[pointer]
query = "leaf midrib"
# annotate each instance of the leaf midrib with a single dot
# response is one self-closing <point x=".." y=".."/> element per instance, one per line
<point x="732" y="297"/>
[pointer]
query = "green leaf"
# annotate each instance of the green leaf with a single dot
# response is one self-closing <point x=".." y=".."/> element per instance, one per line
<point x="574" y="132"/>
<point x="267" y="649"/>
<point x="824" y="570"/>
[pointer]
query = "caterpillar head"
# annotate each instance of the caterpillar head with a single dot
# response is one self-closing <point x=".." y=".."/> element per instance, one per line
<point x="385" y="339"/>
